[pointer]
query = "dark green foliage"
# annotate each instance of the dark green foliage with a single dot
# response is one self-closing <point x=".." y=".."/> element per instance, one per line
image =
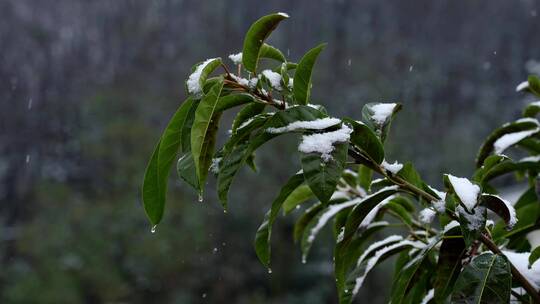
<point x="348" y="183"/>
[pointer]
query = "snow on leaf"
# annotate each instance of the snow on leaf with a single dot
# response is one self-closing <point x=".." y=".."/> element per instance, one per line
<point x="521" y="262"/>
<point x="323" y="142"/>
<point x="507" y="140"/>
<point x="465" y="190"/>
<point x="193" y="82"/>
<point x="274" y="78"/>
<point x="427" y="215"/>
<point x="382" y="111"/>
<point x="236" y="58"/>
<point x="393" y="168"/>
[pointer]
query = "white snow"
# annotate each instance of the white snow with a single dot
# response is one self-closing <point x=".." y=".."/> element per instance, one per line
<point x="194" y="87"/>
<point x="450" y="226"/>
<point x="283" y="14"/>
<point x="511" y="211"/>
<point x="377" y="224"/>
<point x="534" y="238"/>
<point x="521" y="262"/>
<point x="253" y="82"/>
<point x="528" y="119"/>
<point x="291" y="83"/>
<point x="323" y="142"/>
<point x="371" y="215"/>
<point x="393" y="168"/>
<point x="465" y="190"/>
<point x="507" y="140"/>
<point x="440" y="206"/>
<point x="214" y="167"/>
<point x="274" y="78"/>
<point x="522" y="86"/>
<point x="390" y="239"/>
<point x="236" y="58"/>
<point x="240" y="80"/>
<point x="378" y="254"/>
<point x="475" y="220"/>
<point x="440" y="194"/>
<point x="429" y="296"/>
<point x="327" y="215"/>
<point x="427" y="215"/>
<point x="532" y="159"/>
<point x="382" y="111"/>
<point x="318" y="124"/>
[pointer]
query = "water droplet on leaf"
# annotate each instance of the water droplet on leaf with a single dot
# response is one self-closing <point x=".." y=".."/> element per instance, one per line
<point x="201" y="198"/>
<point x="153" y="230"/>
<point x="270" y="270"/>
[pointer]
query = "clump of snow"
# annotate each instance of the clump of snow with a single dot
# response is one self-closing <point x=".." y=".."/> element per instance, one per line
<point x="253" y="82"/>
<point x="382" y="111"/>
<point x="274" y="78"/>
<point x="371" y="215"/>
<point x="214" y="167"/>
<point x="521" y="262"/>
<point x="475" y="220"/>
<point x="427" y="215"/>
<point x="393" y="168"/>
<point x="534" y="238"/>
<point x="440" y="206"/>
<point x="440" y="194"/>
<point x="522" y="86"/>
<point x="283" y="14"/>
<point x="291" y="83"/>
<point x="450" y="226"/>
<point x="240" y="80"/>
<point x="323" y="142"/>
<point x="317" y="124"/>
<point x="465" y="190"/>
<point x="236" y="58"/>
<point x="429" y="296"/>
<point x="193" y="82"/>
<point x="507" y="140"/>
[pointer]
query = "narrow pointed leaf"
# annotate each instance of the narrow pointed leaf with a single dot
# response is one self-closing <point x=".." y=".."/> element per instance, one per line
<point x="201" y="134"/>
<point x="364" y="138"/>
<point x="302" y="75"/>
<point x="449" y="264"/>
<point x="158" y="170"/>
<point x="187" y="171"/>
<point x="300" y="195"/>
<point x="501" y="207"/>
<point x="233" y="100"/>
<point x="268" y="51"/>
<point x="533" y="257"/>
<point x="246" y="113"/>
<point x="264" y="233"/>
<point x="255" y="37"/>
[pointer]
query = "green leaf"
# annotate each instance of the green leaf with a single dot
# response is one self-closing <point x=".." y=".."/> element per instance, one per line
<point x="532" y="109"/>
<point x="203" y="133"/>
<point x="233" y="100"/>
<point x="364" y="138"/>
<point x="186" y="170"/>
<point x="193" y="81"/>
<point x="364" y="177"/>
<point x="405" y="279"/>
<point x="283" y="118"/>
<point x="305" y="219"/>
<point x="244" y="131"/>
<point x="534" y="85"/>
<point x="399" y="212"/>
<point x="246" y="113"/>
<point x="230" y="164"/>
<point x="322" y="175"/>
<point x="318" y="222"/>
<point x="535" y="254"/>
<point x="486" y="279"/>
<point x="154" y="187"/>
<point x="302" y="75"/>
<point x="501" y="207"/>
<point x="264" y="233"/>
<point x="300" y="195"/>
<point x="255" y="37"/>
<point x="268" y="51"/>
<point x="367" y="261"/>
<point x="449" y="264"/>
<point x="379" y="116"/>
<point x="364" y="206"/>
<point x="528" y="216"/>
<point x="487" y="146"/>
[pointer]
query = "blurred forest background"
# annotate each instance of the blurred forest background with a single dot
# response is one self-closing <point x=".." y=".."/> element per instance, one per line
<point x="87" y="86"/>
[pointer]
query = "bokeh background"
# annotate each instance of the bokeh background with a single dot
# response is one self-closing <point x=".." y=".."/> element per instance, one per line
<point x="87" y="86"/>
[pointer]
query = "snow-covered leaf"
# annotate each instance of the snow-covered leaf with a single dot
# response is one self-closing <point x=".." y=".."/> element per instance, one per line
<point x="364" y="139"/>
<point x="501" y="207"/>
<point x="532" y="109"/>
<point x="322" y="174"/>
<point x="255" y="37"/>
<point x="379" y="116"/>
<point x="247" y="113"/>
<point x="197" y="79"/>
<point x="302" y="75"/>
